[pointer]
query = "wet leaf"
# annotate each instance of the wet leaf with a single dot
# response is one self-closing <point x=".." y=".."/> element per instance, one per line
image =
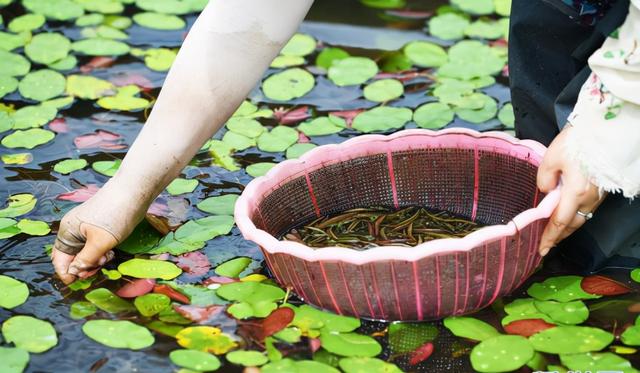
<point x="60" y="10"/>
<point x="159" y="59"/>
<point x="367" y="364"/>
<point x="106" y="168"/>
<point x="33" y="116"/>
<point x="349" y="344"/>
<point x="42" y="85"/>
<point x="523" y="309"/>
<point x="382" y="119"/>
<point x="469" y="327"/>
<point x="88" y="87"/>
<point x="383" y="90"/>
<point x="292" y="366"/>
<point x="233" y="267"/>
<point x="596" y="362"/>
<point x="82" y="284"/>
<point x="485" y="29"/>
<point x="124" y="100"/>
<point x="159" y="21"/>
<point x="384" y="4"/>
<point x="487" y="110"/>
<point x="102" y="6"/>
<point x="146" y="268"/>
<point x="506" y="116"/>
<point x="288" y="85"/>
<point x="247" y="358"/>
<point x="196" y="360"/>
<point x="170" y="330"/>
<point x="322" y="126"/>
<point x="219" y="205"/>
<point x="297" y="150"/>
<point x="194" y="263"/>
<point x="12" y="292"/>
<point x="434" y="115"/>
<point x="9" y="42"/>
<point x="448" y="26"/>
<point x="601" y="285"/>
<point x="205" y="338"/>
<point x="26" y="22"/>
<point x="425" y="54"/>
<point x="527" y="327"/>
<point x="503" y="353"/>
<point x="100" y="47"/>
<point x="200" y="315"/>
<point x="67" y="166"/>
<point x="47" y="48"/>
<point x="257" y="299"/>
<point x="299" y="45"/>
<point x="560" y="288"/>
<point x="238" y="142"/>
<point x="118" y="334"/>
<point x="171" y="293"/>
<point x="278" y="139"/>
<point x="352" y="71"/>
<point x="470" y="59"/>
<point x="17" y="158"/>
<point x="29" y="333"/>
<point x="566" y="313"/>
<point x="105" y="300"/>
<point x="18" y="204"/>
<point x="204" y="229"/>
<point x="245" y="126"/>
<point x="181" y="186"/>
<point x="631" y="335"/>
<point x="151" y="304"/>
<point x="421" y="354"/>
<point x="290" y="335"/>
<point x="407" y="337"/>
<point x="327" y="56"/>
<point x="395" y="62"/>
<point x="8" y="228"/>
<point x="93" y="19"/>
<point x="477" y="7"/>
<point x="82" y="309"/>
<point x="8" y="84"/>
<point x="13" y="64"/>
<point x="571" y="339"/>
<point x="259" y="169"/>
<point x="33" y="227"/>
<point x="221" y="155"/>
<point x="635" y="275"/>
<point x="14" y="360"/>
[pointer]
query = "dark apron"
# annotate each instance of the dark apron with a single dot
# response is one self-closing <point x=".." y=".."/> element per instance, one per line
<point x="549" y="45"/>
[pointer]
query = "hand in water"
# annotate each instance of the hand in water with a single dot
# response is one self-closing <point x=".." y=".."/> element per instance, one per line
<point x="577" y="193"/>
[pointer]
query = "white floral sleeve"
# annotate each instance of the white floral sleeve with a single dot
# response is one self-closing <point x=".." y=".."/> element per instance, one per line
<point x="605" y="138"/>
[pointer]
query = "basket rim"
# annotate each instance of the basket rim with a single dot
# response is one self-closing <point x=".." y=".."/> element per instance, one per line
<point x="255" y="190"/>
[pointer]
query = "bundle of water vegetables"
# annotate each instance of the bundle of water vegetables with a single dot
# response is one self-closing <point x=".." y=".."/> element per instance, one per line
<point x="364" y="228"/>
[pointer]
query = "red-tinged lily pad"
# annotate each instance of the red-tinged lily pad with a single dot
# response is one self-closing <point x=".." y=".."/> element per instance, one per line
<point x="291" y="116"/>
<point x="98" y="62"/>
<point x="405" y="337"/>
<point x="100" y="139"/>
<point x="194" y="263"/>
<point x="171" y="293"/>
<point x="601" y="285"/>
<point x="421" y="354"/>
<point x="275" y="322"/>
<point x="205" y="338"/>
<point x="136" y="288"/>
<point x="200" y="315"/>
<point x="79" y="195"/>
<point x="560" y="288"/>
<point x="347" y="115"/>
<point x="527" y="327"/>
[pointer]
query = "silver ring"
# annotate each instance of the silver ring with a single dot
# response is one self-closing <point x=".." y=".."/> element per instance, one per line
<point x="585" y="215"/>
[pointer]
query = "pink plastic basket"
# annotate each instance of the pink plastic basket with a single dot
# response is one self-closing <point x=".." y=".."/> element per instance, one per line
<point x="488" y="177"/>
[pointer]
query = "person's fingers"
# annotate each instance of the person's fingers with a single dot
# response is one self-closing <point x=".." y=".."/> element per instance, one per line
<point x="579" y="220"/>
<point x="61" y="261"/>
<point x="548" y="177"/>
<point x="105" y="259"/>
<point x="560" y="220"/>
<point x="99" y="243"/>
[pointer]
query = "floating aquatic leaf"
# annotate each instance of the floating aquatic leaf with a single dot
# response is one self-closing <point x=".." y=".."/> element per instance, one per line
<point x="256" y="299"/>
<point x="635" y="275"/>
<point x="9" y="42"/>
<point x="421" y="354"/>
<point x="8" y="84"/>
<point x="384" y="4"/>
<point x="67" y="166"/>
<point x="281" y="62"/>
<point x="117" y="21"/>
<point x="194" y="263"/>
<point x="18" y="204"/>
<point x="247" y="358"/>
<point x="102" y="6"/>
<point x="14" y="360"/>
<point x="221" y="154"/>
<point x="67" y="63"/>
<point x="487" y="111"/>
<point x="151" y="304"/>
<point x="601" y="285"/>
<point x="485" y="29"/>
<point x="349" y="344"/>
<point x="59" y="10"/>
<point x="33" y="227"/>
<point x="322" y="126"/>
<point x="382" y="118"/>
<point x="197" y="360"/>
<point x="6" y="121"/>
<point x="28" y="139"/>
<point x="560" y="288"/>
<point x="503" y="7"/>
<point x="407" y="337"/>
<point x="290" y="335"/>
<point x="352" y="71"/>
<point x="367" y="364"/>
<point x="205" y="338"/>
<point x="308" y="317"/>
<point x="159" y="21"/>
<point x="17" y="158"/>
<point x="111" y="274"/>
<point x="233" y="267"/>
<point x="88" y="87"/>
<point x="477" y="7"/>
<point x="12" y="292"/>
<point x="245" y="126"/>
<point x="124" y="100"/>
<point x="448" y="26"/>
<point x="8" y="228"/>
<point x="26" y="22"/>
<point x="574" y="312"/>
<point x="503" y="353"/>
<point x="278" y="139"/>
<point x="631" y="335"/>
<point x="146" y="268"/>
<point x="136" y="288"/>
<point x="82" y="284"/>
<point x="433" y="115"/>
<point x="526" y="327"/>
<point x="300" y="366"/>
<point x="42" y="85"/>
<point x="259" y="169"/>
<point x="596" y="362"/>
<point x="297" y="150"/>
<point x="158" y="59"/>
<point x="105" y="300"/>
<point x="107" y="168"/>
<point x="425" y="54"/>
<point x="219" y="205"/>
<point x="33" y="116"/>
<point x="395" y="62"/>
<point x="100" y="47"/>
<point x="82" y="309"/>
<point x="181" y="186"/>
<point x="299" y="45"/>
<point x="118" y="334"/>
<point x="570" y="339"/>
<point x="204" y="229"/>
<point x="47" y="48"/>
<point x="29" y="333"/>
<point x="506" y="115"/>
<point x="470" y="59"/>
<point x="13" y="64"/>
<point x="469" y="327"/>
<point x="238" y="142"/>
<point x="93" y="19"/>
<point x="327" y="56"/>
<point x="165" y="6"/>
<point x="523" y="309"/>
<point x="383" y="90"/>
<point x="288" y="85"/>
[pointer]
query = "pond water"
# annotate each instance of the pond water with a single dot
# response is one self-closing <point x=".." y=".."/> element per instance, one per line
<point x="359" y="30"/>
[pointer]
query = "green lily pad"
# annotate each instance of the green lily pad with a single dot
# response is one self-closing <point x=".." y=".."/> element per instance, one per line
<point x="100" y="47"/>
<point x="300" y="366"/>
<point x="14" y="360"/>
<point x="308" y="318"/>
<point x="574" y="312"/>
<point x="506" y="115"/>
<point x="42" y="85"/>
<point x="570" y="339"/>
<point x="250" y="291"/>
<point x="29" y="333"/>
<point x="28" y="139"/>
<point x="158" y="59"/>
<point x="247" y="358"/>
<point x="16" y="158"/>
<point x="105" y="300"/>
<point x="488" y="110"/>
<point x="107" y="168"/>
<point x="151" y="304"/>
<point x="12" y="64"/>
<point x="59" y="10"/>
<point x="394" y="62"/>
<point x="67" y="166"/>
<point x="18" y="204"/>
<point x="349" y="344"/>
<point x="26" y="22"/>
<point x="560" y="288"/>
<point x="260" y="168"/>
<point x="170" y="315"/>
<point x="124" y="100"/>
<point x="205" y="338"/>
<point x="477" y="7"/>
<point x="448" y="26"/>
<point x="219" y="205"/>
<point x="197" y="360"/>
<point x="327" y="56"/>
<point x="597" y="362"/>
<point x="367" y="364"/>
<point x="111" y="274"/>
<point x="471" y="328"/>
<point x="117" y="21"/>
<point x="9" y="41"/>
<point x="451" y="91"/>
<point x="6" y="121"/>
<point x="425" y="54"/>
<point x="502" y="353"/>
<point x="164" y="6"/>
<point x="170" y="245"/>
<point x="406" y="337"/>
<point x="281" y="62"/>
<point x="8" y="228"/>
<point x="93" y="19"/>
<point x="352" y="71"/>
<point x="159" y="21"/>
<point x="245" y="126"/>
<point x="503" y="7"/>
<point x="485" y="29"/>
<point x="82" y="284"/>
<point x="278" y="139"/>
<point x="102" y="6"/>
<point x="297" y="150"/>
<point x="290" y="335"/>
<point x="470" y="59"/>
<point x="146" y="268"/>
<point x="181" y="186"/>
<point x="237" y="141"/>
<point x="8" y="84"/>
<point x="204" y="229"/>
<point x="88" y="87"/>
<point x="523" y="309"/>
<point x="118" y="334"/>
<point x="631" y="336"/>
<point x="299" y="45"/>
<point x="170" y="330"/>
<point x="382" y="118"/>
<point x="434" y="115"/>
<point x="33" y="116"/>
<point x="82" y="309"/>
<point x="47" y="48"/>
<point x="384" y="4"/>
<point x="322" y="126"/>
<point x="233" y="268"/>
<point x="288" y="85"/>
<point x="65" y="64"/>
<point x="635" y="275"/>
<point x="12" y="292"/>
<point x="384" y="90"/>
<point x="33" y="227"/>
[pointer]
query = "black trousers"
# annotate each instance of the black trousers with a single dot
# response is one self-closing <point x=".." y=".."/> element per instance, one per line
<point x="548" y="52"/>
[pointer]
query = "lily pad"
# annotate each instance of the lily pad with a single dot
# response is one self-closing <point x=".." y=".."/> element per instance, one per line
<point x="278" y="139"/>
<point x="470" y="59"/>
<point x="384" y="90"/>
<point x="219" y="205"/>
<point x="570" y="339"/>
<point x="259" y="169"/>
<point x="382" y="118"/>
<point x="68" y="166"/>
<point x="523" y="309"/>
<point x="12" y="292"/>
<point x="197" y="360"/>
<point x="560" y="288"/>
<point x="105" y="300"/>
<point x="245" y="126"/>
<point x="299" y="45"/>
<point x="293" y="366"/>
<point x="8" y="228"/>
<point x="33" y="116"/>
<point x="47" y="48"/>
<point x="288" y="85"/>
<point x="151" y="304"/>
<point x="146" y="268"/>
<point x="33" y="227"/>
<point x="448" y="26"/>
<point x="205" y="338"/>
<point x="88" y="87"/>
<point x="159" y="21"/>
<point x="575" y="312"/>
<point x="635" y="275"/>
<point x="28" y="139"/>
<point x="158" y="59"/>
<point x="124" y="100"/>
<point x="322" y="126"/>
<point x="12" y="64"/>
<point x="8" y="84"/>
<point x="477" y="7"/>
<point x="233" y="268"/>
<point x="247" y="358"/>
<point x="352" y="71"/>
<point x="16" y="158"/>
<point x="100" y="47"/>
<point x="204" y="229"/>
<point x="42" y="85"/>
<point x="281" y="62"/>
<point x="29" y="333"/>
<point x="327" y="56"/>
<point x="118" y="334"/>
<point x="181" y="186"/>
<point x="237" y="141"/>
<point x="631" y="335"/>
<point x="117" y="21"/>
<point x="297" y="150"/>
<point x="82" y="309"/>
<point x="93" y="19"/>
<point x="107" y="168"/>
<point x="503" y="353"/>
<point x="257" y="299"/>
<point x="14" y="360"/>
<point x="18" y="204"/>
<point x="9" y="41"/>
<point x="367" y="364"/>
<point x="487" y="110"/>
<point x="67" y="63"/>
<point x="385" y="4"/>
<point x="349" y="344"/>
<point x="596" y="362"/>
<point x="425" y="54"/>
<point x="26" y="22"/>
<point x="471" y="328"/>
<point x="102" y="6"/>
<point x="434" y="115"/>
<point x="485" y="29"/>
<point x="59" y="10"/>
<point x="506" y="115"/>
